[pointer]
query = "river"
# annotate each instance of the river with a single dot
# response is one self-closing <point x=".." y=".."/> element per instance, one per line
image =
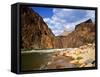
<point x="37" y="59"/>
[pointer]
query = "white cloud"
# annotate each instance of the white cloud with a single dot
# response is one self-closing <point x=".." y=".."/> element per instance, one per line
<point x="67" y="18"/>
<point x="91" y="14"/>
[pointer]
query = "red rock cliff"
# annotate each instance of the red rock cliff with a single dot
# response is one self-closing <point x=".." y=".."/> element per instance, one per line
<point x="34" y="31"/>
<point x="35" y="34"/>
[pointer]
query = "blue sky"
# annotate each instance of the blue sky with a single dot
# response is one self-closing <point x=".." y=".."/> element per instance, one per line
<point x="63" y="19"/>
<point x="44" y="12"/>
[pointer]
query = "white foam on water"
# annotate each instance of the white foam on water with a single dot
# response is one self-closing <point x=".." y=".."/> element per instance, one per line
<point x="46" y="50"/>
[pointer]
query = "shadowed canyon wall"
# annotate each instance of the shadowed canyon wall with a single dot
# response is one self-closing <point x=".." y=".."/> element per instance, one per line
<point x="35" y="33"/>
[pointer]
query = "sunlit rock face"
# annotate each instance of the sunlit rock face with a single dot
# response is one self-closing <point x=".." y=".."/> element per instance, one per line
<point x="84" y="56"/>
<point x="84" y="33"/>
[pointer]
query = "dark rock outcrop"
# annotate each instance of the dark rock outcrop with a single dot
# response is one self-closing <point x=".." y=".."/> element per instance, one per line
<point x="35" y="33"/>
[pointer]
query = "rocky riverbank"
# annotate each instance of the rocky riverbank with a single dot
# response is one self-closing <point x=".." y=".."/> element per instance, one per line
<point x="84" y="56"/>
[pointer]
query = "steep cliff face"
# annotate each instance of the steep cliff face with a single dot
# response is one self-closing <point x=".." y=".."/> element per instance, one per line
<point x="35" y="33"/>
<point x="84" y="33"/>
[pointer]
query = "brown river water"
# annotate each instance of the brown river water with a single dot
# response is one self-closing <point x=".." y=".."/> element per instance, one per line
<point x="38" y="59"/>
